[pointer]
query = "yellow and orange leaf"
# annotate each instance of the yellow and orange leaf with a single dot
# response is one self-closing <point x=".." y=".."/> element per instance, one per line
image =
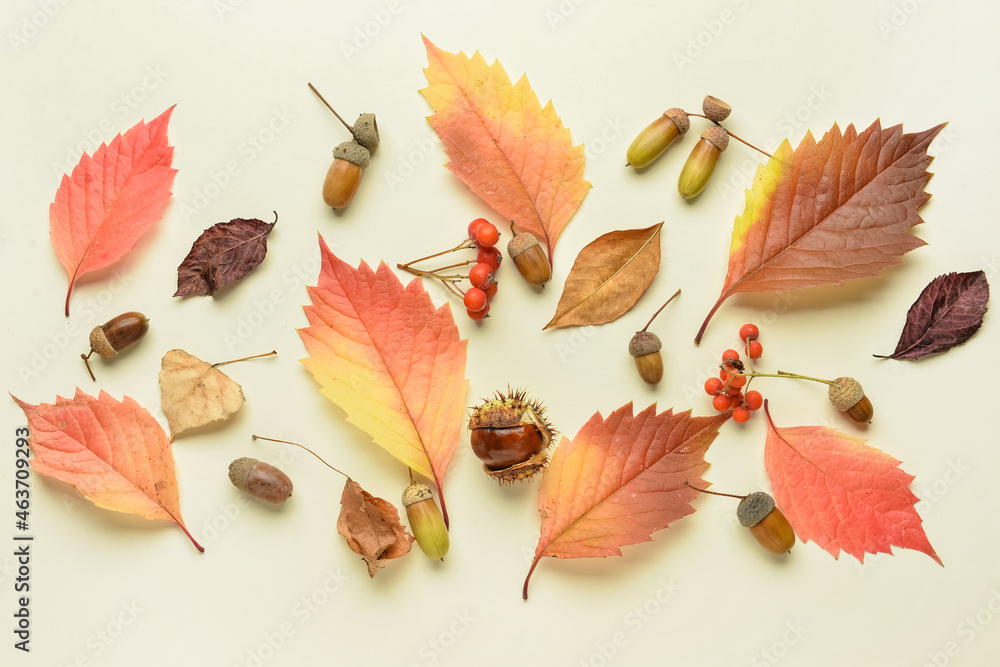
<point x="517" y="156"/>
<point x="619" y="480"/>
<point x="114" y="452"/>
<point x="829" y="211"/>
<point x="390" y="360"/>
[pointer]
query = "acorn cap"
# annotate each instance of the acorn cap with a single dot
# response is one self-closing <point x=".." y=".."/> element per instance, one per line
<point x="366" y="131"/>
<point x="353" y="152"/>
<point x="239" y="470"/>
<point x="846" y="393"/>
<point x="716" y="136"/>
<point x="643" y="343"/>
<point x="680" y="118"/>
<point x="99" y="343"/>
<point x="715" y="109"/>
<point x="520" y="243"/>
<point x="416" y="493"/>
<point x="754" y="508"/>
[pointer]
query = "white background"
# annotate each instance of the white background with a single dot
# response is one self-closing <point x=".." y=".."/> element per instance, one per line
<point x="112" y="589"/>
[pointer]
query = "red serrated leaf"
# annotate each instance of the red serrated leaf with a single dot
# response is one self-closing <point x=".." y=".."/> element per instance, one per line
<point x="947" y="313"/>
<point x="111" y="199"/>
<point x="390" y="360"/>
<point x="114" y="452"/>
<point x="841" y="493"/>
<point x="830" y="211"/>
<point x="620" y="480"/>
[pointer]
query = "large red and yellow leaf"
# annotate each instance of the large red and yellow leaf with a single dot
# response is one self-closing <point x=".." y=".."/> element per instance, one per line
<point x="111" y="199"/>
<point x="842" y="494"/>
<point x="114" y="452"/>
<point x="620" y="480"/>
<point x="517" y="156"/>
<point x="390" y="360"/>
<point x="829" y="211"/>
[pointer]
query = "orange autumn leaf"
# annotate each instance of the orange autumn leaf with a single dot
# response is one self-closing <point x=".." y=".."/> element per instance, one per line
<point x="390" y="360"/>
<point x="842" y="493"/>
<point x="113" y="452"/>
<point x="620" y="480"/>
<point x="829" y="211"/>
<point x="517" y="156"/>
<point x="111" y="199"/>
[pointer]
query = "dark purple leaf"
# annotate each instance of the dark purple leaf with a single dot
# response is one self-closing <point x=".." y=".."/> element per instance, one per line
<point x="946" y="314"/>
<point x="224" y="253"/>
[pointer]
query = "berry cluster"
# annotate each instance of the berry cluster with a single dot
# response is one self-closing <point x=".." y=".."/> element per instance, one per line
<point x="729" y="389"/>
<point x="483" y="236"/>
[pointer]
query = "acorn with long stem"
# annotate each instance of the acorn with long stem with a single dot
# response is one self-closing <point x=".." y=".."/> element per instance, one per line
<point x="846" y="393"/>
<point x="645" y="349"/>
<point x="758" y="512"/>
<point x="350" y="158"/>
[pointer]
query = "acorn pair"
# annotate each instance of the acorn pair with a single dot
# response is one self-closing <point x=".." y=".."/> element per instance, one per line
<point x="350" y="158"/>
<point x="658" y="135"/>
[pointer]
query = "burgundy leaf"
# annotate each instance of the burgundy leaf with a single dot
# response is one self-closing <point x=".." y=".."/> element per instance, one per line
<point x="223" y="254"/>
<point x="947" y="313"/>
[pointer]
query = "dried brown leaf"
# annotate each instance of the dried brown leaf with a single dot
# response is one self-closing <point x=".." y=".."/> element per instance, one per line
<point x="608" y="277"/>
<point x="371" y="527"/>
<point x="223" y="254"/>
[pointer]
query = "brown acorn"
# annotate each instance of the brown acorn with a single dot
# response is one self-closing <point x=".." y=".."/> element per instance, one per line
<point x="260" y="480"/>
<point x="701" y="163"/>
<point x="656" y="137"/>
<point x="350" y="159"/>
<point x="645" y="348"/>
<point x="511" y="436"/>
<point x="848" y="396"/>
<point x="758" y="512"/>
<point x="426" y="521"/>
<point x="114" y="335"/>
<point x="529" y="257"/>
<point x="767" y="524"/>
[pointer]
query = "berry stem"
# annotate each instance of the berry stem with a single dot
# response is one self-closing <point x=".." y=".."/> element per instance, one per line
<point x="447" y="281"/>
<point x="256" y="356"/>
<point x="456" y="266"/>
<point x="289" y="442"/>
<point x="467" y="243"/>
<point x="328" y="106"/>
<point x="658" y="311"/>
<point x="714" y="493"/>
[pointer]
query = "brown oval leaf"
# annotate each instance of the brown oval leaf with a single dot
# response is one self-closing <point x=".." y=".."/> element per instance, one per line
<point x="608" y="277"/>
<point x="223" y="254"/>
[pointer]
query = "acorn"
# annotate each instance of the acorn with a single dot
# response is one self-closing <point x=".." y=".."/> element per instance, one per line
<point x="115" y="335"/>
<point x="260" y="480"/>
<point x="529" y="257"/>
<point x="645" y="348"/>
<point x="425" y="520"/>
<point x="511" y="436"/>
<point x="758" y="512"/>
<point x="656" y="137"/>
<point x="701" y="163"/>
<point x="350" y="159"/>
<point x="848" y="396"/>
<point x="715" y="109"/>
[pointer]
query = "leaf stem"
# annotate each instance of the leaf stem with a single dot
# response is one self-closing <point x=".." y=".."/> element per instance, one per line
<point x="328" y="106"/>
<point x="289" y="442"/>
<point x="256" y="356"/>
<point x="714" y="493"/>
<point x="658" y="311"/>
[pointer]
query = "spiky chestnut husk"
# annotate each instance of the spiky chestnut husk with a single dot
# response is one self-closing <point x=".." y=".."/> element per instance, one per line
<point x="766" y="522"/>
<point x="511" y="436"/>
<point x="848" y="396"/>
